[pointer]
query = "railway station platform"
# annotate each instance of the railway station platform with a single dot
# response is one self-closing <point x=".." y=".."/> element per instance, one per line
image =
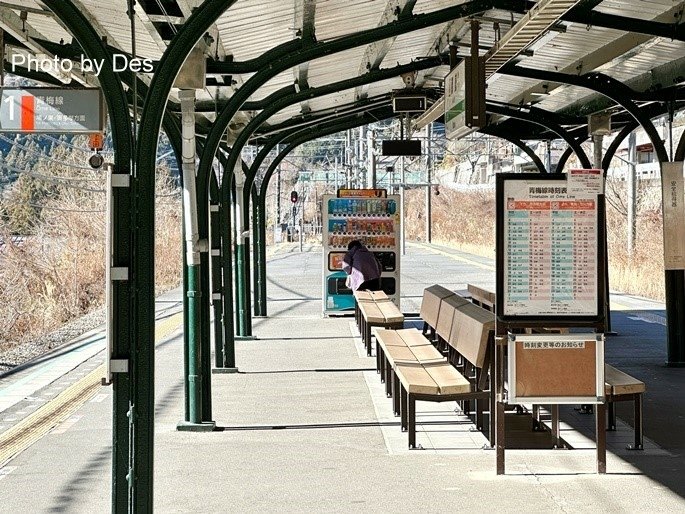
<point x="305" y="424"/>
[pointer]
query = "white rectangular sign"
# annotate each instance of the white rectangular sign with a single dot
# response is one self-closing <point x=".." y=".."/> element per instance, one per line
<point x="585" y="182"/>
<point x="550" y="250"/>
<point x="455" y="101"/>
<point x="674" y="215"/>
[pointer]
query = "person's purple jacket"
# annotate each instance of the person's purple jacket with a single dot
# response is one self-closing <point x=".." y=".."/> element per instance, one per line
<point x="361" y="265"/>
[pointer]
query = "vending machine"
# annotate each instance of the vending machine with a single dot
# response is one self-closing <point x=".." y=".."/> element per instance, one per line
<point x="372" y="217"/>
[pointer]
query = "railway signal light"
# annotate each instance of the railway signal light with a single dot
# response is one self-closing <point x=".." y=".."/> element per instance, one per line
<point x="293" y="196"/>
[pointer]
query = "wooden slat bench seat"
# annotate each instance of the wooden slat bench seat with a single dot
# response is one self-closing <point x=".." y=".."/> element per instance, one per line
<point x="620" y="387"/>
<point x="382" y="313"/>
<point x="448" y="307"/>
<point x="430" y="378"/>
<point x="366" y="296"/>
<point x="402" y="346"/>
<point x="482" y="297"/>
<point x="430" y="306"/>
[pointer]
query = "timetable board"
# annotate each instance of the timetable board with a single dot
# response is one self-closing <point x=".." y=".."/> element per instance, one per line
<point x="549" y="256"/>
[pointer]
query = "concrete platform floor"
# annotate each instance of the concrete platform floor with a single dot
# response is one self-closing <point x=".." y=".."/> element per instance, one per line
<point x="305" y="425"/>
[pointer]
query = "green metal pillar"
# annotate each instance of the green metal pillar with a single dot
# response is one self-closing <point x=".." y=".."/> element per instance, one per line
<point x="204" y="316"/>
<point x="241" y="240"/>
<point x="247" y="313"/>
<point x="217" y="278"/>
<point x="197" y="412"/>
<point x="226" y="230"/>
<point x="261" y="270"/>
<point x="120" y="330"/>
<point x="258" y="242"/>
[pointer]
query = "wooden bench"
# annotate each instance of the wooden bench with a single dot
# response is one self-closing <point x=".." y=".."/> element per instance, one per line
<point x="366" y="296"/>
<point x="430" y="307"/>
<point x="383" y="314"/>
<point x="430" y="378"/>
<point x="443" y="327"/>
<point x="394" y="347"/>
<point x="469" y="349"/>
<point x="482" y="297"/>
<point x="620" y="387"/>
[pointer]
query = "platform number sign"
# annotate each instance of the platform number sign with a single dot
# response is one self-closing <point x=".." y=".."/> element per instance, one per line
<point x="48" y="110"/>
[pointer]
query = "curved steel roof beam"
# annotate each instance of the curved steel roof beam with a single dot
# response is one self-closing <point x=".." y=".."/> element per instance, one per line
<point x="544" y="119"/>
<point x="376" y="51"/>
<point x="613" y="53"/>
<point x="605" y="85"/>
<point x="301" y="53"/>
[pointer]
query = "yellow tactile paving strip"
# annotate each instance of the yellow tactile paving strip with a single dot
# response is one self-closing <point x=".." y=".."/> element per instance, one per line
<point x="32" y="428"/>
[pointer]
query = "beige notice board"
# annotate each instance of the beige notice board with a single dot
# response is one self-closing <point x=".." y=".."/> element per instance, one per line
<point x="556" y="369"/>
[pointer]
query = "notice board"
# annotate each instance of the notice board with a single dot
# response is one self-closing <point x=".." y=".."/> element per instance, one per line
<point x="556" y="369"/>
<point x="550" y="260"/>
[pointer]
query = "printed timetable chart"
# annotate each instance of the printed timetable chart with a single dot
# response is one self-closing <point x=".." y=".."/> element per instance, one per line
<point x="550" y="250"/>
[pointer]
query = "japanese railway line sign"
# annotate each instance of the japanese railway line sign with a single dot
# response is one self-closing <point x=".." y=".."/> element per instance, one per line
<point x="44" y="110"/>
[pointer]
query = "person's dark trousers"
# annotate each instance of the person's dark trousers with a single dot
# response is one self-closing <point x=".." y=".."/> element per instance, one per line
<point x="370" y="285"/>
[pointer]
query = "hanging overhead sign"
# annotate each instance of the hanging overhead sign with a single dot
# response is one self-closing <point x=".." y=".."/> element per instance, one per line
<point x="50" y="110"/>
<point x="465" y="98"/>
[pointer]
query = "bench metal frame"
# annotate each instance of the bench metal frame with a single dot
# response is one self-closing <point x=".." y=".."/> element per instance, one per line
<point x="636" y="398"/>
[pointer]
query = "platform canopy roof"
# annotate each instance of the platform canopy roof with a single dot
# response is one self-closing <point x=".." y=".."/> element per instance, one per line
<point x="536" y="52"/>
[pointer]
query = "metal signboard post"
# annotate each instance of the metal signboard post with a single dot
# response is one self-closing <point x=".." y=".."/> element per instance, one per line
<point x="550" y="274"/>
<point x="48" y="110"/>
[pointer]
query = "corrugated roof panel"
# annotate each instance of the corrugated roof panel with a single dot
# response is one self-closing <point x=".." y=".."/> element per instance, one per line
<point x="281" y="80"/>
<point x="335" y="67"/>
<point x="112" y="17"/>
<point x="412" y="46"/>
<point x="335" y="18"/>
<point x="251" y="27"/>
<point x="567" y="48"/>
<point x="48" y="27"/>
<point x="663" y="52"/>
<point x="427" y="6"/>
<point x="641" y="9"/>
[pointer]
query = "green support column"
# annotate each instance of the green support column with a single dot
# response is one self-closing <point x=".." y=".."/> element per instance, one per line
<point x="198" y="411"/>
<point x="205" y="326"/>
<point x="221" y="357"/>
<point x="247" y="322"/>
<point x="239" y="257"/>
<point x="186" y="332"/>
<point x="242" y="255"/>
<point x="121" y="334"/>
<point x="226" y="229"/>
<point x="217" y="304"/>
<point x="194" y="351"/>
<point x="256" y="255"/>
<point x="261" y="281"/>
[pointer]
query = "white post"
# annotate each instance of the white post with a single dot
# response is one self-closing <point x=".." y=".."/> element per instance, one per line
<point x="632" y="191"/>
<point x="187" y="98"/>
